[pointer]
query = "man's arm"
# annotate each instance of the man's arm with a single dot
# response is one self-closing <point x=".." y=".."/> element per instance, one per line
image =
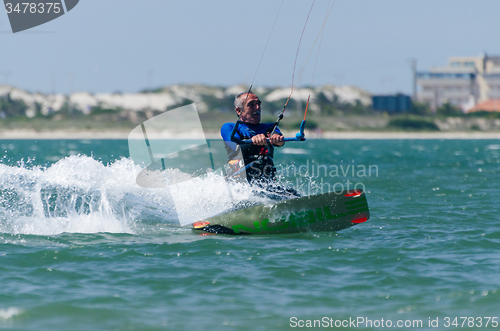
<point x="225" y="132"/>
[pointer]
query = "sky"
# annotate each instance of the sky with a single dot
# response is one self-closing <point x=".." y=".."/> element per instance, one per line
<point x="130" y="45"/>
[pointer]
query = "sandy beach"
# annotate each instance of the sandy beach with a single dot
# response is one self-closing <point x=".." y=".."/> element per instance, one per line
<point x="81" y="134"/>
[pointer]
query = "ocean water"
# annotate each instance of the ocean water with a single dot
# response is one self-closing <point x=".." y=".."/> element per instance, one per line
<point x="82" y="247"/>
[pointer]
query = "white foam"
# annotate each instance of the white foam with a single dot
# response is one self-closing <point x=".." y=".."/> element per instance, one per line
<point x="294" y="151"/>
<point x="493" y="147"/>
<point x="8" y="313"/>
<point x="204" y="197"/>
<point x="79" y="194"/>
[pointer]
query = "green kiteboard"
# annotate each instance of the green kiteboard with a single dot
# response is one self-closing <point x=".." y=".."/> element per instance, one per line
<point x="324" y="212"/>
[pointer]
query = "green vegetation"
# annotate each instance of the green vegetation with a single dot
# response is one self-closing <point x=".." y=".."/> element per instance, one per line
<point x="152" y="90"/>
<point x="12" y="108"/>
<point x="336" y="107"/>
<point x="294" y="125"/>
<point x="99" y="110"/>
<point x="412" y="123"/>
<point x="484" y="114"/>
<point x="448" y="109"/>
<point x="54" y="124"/>
<point x="420" y="108"/>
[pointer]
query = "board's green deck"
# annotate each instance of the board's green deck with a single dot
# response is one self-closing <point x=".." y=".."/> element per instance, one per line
<point x="325" y="212"/>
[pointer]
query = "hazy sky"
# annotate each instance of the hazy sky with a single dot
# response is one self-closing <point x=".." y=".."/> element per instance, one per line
<point x="111" y="45"/>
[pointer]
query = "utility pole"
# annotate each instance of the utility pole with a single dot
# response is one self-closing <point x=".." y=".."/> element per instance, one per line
<point x="414" y="70"/>
<point x="436" y="99"/>
<point x="150" y="74"/>
<point x="71" y="78"/>
<point x="53" y="91"/>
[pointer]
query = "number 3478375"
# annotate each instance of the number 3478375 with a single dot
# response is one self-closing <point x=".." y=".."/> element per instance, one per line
<point x="470" y="322"/>
<point x="33" y="8"/>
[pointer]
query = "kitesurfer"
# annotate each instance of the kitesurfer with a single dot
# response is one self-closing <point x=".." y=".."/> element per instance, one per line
<point x="256" y="159"/>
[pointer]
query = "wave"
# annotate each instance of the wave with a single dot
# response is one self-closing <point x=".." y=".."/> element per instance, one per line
<point x="79" y="194"/>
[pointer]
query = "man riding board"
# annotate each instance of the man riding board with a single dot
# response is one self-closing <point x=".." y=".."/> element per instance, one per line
<point x="257" y="156"/>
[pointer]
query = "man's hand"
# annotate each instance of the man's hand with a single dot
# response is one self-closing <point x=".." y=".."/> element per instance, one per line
<point x="259" y="139"/>
<point x="277" y="140"/>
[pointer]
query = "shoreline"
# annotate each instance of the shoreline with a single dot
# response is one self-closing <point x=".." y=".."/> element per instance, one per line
<point x="120" y="135"/>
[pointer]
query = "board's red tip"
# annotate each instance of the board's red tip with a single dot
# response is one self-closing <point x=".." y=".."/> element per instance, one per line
<point x="360" y="220"/>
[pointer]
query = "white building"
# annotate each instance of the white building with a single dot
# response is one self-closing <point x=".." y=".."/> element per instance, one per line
<point x="465" y="82"/>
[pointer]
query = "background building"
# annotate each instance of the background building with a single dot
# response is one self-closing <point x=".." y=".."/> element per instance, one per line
<point x="465" y="82"/>
<point x="398" y="103"/>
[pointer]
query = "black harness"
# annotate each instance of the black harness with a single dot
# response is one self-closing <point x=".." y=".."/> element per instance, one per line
<point x="257" y="160"/>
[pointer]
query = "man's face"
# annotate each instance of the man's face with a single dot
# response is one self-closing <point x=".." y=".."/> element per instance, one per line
<point x="251" y="110"/>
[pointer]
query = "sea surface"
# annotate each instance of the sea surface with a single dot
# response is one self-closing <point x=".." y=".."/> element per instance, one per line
<point x="83" y="247"/>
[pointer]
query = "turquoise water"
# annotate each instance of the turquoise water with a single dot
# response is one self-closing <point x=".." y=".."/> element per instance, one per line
<point x="82" y="247"/>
